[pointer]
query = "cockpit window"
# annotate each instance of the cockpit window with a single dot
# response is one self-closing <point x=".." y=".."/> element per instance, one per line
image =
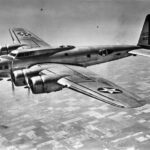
<point x="4" y="67"/>
<point x="25" y="54"/>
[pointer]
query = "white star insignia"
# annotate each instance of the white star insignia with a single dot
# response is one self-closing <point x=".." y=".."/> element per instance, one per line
<point x="109" y="90"/>
<point x="24" y="34"/>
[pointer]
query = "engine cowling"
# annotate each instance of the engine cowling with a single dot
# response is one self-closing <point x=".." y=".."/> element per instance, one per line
<point x="19" y="78"/>
<point x="44" y="84"/>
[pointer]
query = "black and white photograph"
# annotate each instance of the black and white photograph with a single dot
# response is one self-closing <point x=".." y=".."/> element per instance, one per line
<point x="74" y="74"/>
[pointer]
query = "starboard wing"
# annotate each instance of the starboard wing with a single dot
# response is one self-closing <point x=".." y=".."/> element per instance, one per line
<point x="88" y="83"/>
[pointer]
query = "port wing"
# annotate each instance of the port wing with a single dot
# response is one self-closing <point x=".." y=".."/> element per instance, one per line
<point x="23" y="36"/>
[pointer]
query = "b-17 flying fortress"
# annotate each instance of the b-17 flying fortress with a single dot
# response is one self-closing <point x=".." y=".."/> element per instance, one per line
<point x="32" y="63"/>
<point x="56" y="97"/>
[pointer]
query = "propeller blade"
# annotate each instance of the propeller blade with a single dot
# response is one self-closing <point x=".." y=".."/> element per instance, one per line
<point x="26" y="79"/>
<point x="13" y="87"/>
<point x="11" y="77"/>
<point x="28" y="91"/>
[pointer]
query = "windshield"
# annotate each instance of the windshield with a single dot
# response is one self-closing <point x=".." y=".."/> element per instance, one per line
<point x="13" y="54"/>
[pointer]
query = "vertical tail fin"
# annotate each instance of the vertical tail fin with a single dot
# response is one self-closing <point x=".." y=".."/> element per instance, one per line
<point x="144" y="40"/>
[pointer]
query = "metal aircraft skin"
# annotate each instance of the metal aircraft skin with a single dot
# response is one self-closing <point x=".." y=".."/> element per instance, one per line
<point x="44" y="69"/>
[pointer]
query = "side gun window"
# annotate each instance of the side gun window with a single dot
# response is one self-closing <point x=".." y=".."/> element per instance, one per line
<point x="110" y="51"/>
<point x="103" y="52"/>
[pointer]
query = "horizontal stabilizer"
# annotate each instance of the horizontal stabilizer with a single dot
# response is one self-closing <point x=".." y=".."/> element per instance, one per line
<point x="141" y="52"/>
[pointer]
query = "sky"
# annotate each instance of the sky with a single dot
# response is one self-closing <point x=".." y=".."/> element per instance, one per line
<point x="77" y="22"/>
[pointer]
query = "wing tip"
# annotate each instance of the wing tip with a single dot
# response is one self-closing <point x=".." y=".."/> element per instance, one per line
<point x="137" y="104"/>
<point x="132" y="105"/>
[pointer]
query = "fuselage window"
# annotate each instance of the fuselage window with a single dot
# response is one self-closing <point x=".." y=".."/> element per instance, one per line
<point x="88" y="55"/>
<point x="110" y="51"/>
<point x="25" y="54"/>
<point x="103" y="52"/>
<point x="20" y="55"/>
<point x="118" y="54"/>
<point x="66" y="54"/>
<point x="5" y="67"/>
<point x="1" y="67"/>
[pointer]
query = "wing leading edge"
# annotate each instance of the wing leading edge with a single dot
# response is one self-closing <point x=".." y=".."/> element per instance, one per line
<point x="88" y="83"/>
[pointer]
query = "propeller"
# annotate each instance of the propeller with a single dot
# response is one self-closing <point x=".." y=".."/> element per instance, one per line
<point x="26" y="79"/>
<point x="11" y="77"/>
<point x="27" y="87"/>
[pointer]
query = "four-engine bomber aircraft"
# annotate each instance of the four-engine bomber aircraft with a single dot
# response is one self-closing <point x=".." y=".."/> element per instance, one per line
<point x="45" y="69"/>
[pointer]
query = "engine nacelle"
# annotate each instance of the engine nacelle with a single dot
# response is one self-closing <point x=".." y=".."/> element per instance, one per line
<point x="7" y="49"/>
<point x="19" y="78"/>
<point x="44" y="84"/>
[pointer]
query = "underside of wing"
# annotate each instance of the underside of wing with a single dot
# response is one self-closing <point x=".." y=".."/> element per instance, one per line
<point x="88" y="83"/>
<point x="23" y="36"/>
<point x="141" y="52"/>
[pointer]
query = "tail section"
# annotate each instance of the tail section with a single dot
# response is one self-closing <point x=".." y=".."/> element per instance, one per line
<point x="144" y="40"/>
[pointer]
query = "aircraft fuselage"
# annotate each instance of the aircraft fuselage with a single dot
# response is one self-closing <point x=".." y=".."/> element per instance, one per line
<point x="81" y="56"/>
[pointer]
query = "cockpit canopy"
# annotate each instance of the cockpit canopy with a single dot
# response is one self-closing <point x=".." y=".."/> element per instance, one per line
<point x="19" y="54"/>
